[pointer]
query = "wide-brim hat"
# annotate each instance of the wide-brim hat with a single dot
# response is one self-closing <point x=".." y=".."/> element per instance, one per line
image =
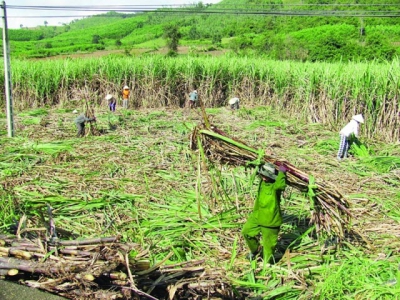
<point x="267" y="170"/>
<point x="109" y="97"/>
<point x="359" y="118"/>
<point x="126" y="87"/>
<point x="233" y="100"/>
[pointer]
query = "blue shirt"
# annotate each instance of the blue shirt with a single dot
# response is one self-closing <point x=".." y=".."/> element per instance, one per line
<point x="193" y="96"/>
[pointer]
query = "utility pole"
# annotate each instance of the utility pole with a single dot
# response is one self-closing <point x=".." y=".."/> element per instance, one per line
<point x="7" y="74"/>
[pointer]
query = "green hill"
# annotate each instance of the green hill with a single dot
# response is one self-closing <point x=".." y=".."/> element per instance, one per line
<point x="307" y="30"/>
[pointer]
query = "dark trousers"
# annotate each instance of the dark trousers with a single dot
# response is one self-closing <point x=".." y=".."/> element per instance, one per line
<point x="192" y="103"/>
<point x="235" y="106"/>
<point x="81" y="129"/>
<point x="112" y="106"/>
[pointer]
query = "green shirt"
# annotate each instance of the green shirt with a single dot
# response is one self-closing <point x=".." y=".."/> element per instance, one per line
<point x="267" y="209"/>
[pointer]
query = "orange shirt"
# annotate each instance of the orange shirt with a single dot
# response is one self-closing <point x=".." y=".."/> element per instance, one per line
<point x="125" y="94"/>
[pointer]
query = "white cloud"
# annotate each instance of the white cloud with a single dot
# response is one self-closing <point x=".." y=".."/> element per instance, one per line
<point x="17" y="17"/>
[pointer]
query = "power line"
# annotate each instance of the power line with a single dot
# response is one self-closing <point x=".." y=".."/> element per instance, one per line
<point x="91" y="7"/>
<point x="370" y="14"/>
<point x="219" y="9"/>
<point x="63" y="7"/>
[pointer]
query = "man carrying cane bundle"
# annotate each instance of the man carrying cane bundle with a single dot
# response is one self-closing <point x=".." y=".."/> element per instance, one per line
<point x="266" y="217"/>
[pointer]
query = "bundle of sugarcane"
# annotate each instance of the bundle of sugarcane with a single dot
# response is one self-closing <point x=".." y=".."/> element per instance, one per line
<point x="101" y="268"/>
<point x="330" y="209"/>
<point x="72" y="268"/>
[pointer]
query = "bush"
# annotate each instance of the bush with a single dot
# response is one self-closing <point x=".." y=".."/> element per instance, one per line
<point x="378" y="47"/>
<point x="217" y="38"/>
<point x="96" y="39"/>
<point x="172" y="36"/>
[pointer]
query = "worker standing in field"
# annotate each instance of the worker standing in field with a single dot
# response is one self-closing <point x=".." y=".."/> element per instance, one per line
<point x="234" y="103"/>
<point x="266" y="217"/>
<point x="112" y="102"/>
<point x="80" y="124"/>
<point x="125" y="96"/>
<point x="348" y="133"/>
<point x="193" y="98"/>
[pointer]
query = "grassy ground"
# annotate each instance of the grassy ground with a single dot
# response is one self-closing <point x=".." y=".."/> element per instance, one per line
<point x="140" y="180"/>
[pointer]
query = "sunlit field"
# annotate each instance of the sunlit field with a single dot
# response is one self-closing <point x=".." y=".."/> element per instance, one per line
<point x="139" y="180"/>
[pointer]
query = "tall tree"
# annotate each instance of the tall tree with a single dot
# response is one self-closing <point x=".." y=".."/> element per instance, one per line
<point x="172" y="36"/>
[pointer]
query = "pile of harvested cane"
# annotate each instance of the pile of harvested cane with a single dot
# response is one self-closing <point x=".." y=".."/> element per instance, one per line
<point x="101" y="268"/>
<point x="330" y="209"/>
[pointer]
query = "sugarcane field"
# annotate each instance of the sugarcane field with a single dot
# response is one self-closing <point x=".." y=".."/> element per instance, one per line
<point x="149" y="178"/>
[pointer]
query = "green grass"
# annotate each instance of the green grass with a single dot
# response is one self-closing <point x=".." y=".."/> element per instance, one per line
<point x="31" y="121"/>
<point x="361" y="277"/>
<point x="35" y="113"/>
<point x="8" y="209"/>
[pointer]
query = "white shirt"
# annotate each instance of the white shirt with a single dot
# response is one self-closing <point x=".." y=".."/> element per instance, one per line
<point x="351" y="127"/>
<point x="233" y="101"/>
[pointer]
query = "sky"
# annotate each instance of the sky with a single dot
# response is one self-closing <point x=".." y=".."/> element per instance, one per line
<point x="18" y="17"/>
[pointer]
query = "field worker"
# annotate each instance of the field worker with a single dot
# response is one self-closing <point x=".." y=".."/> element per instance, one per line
<point x="193" y="97"/>
<point x="112" y="102"/>
<point x="347" y="133"/>
<point x="234" y="103"/>
<point x="266" y="217"/>
<point x="125" y="96"/>
<point x="80" y="123"/>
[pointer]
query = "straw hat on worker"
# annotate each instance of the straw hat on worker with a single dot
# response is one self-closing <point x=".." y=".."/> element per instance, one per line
<point x="109" y="97"/>
<point x="233" y="100"/>
<point x="267" y="170"/>
<point x="234" y="103"/>
<point x="358" y="118"/>
<point x="126" y="87"/>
